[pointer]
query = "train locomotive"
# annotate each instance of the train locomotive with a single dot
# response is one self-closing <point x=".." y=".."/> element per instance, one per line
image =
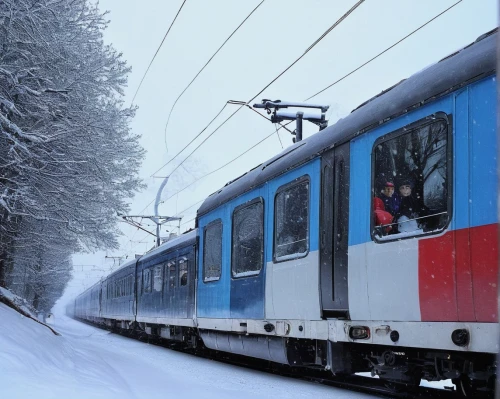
<point x="369" y="246"/>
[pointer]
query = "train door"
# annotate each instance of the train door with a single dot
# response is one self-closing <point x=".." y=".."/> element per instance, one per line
<point x="170" y="285"/>
<point x="482" y="208"/>
<point x="334" y="231"/>
<point x="292" y="270"/>
<point x="181" y="294"/>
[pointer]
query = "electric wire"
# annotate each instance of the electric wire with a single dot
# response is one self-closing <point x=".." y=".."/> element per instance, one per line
<point x="384" y="51"/>
<point x="339" y="80"/>
<point x="312" y="96"/>
<point x="206" y="64"/>
<point x="157" y="50"/>
<point x="228" y="163"/>
<point x="342" y="18"/>
<point x="205" y="128"/>
<point x="188" y="144"/>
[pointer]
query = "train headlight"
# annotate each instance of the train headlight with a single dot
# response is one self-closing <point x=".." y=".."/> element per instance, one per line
<point x="359" y="332"/>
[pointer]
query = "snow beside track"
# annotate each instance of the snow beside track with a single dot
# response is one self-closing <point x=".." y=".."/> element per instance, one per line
<point x="86" y="362"/>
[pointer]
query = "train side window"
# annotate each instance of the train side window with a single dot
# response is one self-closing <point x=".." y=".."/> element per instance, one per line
<point x="158" y="278"/>
<point x="247" y="255"/>
<point x="291" y="220"/>
<point x="146" y="280"/>
<point x="183" y="271"/>
<point x="171" y="275"/>
<point x="212" y="251"/>
<point x="411" y="182"/>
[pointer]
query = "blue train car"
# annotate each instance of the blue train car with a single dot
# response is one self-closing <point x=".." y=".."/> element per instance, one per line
<point x="118" y="296"/>
<point x="370" y="246"/>
<point x="166" y="286"/>
<point x="379" y="232"/>
<point x="87" y="305"/>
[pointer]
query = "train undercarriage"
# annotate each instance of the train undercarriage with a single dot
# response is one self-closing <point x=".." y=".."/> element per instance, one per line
<point x="403" y="367"/>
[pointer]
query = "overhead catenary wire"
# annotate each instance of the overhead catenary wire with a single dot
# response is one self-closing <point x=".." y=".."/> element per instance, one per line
<point x="342" y="18"/>
<point x="205" y="128"/>
<point x="206" y="64"/>
<point x="334" y="83"/>
<point x="384" y="51"/>
<point x="157" y="50"/>
<point x="227" y="163"/>
<point x="188" y="144"/>
<point x="326" y="88"/>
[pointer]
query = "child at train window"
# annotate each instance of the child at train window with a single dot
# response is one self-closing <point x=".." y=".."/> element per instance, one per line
<point x="391" y="200"/>
<point x="411" y="209"/>
<point x="382" y="217"/>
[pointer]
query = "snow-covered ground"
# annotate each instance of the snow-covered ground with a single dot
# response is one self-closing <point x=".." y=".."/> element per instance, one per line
<point x="87" y="363"/>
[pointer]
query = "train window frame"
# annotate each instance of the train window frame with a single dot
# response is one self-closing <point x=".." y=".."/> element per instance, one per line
<point x="185" y="266"/>
<point x="146" y="289"/>
<point x="172" y="275"/>
<point x="252" y="273"/>
<point x="158" y="278"/>
<point x="289" y="185"/>
<point x="210" y="225"/>
<point x="166" y="270"/>
<point x="421" y="123"/>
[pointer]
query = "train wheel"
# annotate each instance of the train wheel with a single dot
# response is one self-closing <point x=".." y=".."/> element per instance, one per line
<point x="464" y="386"/>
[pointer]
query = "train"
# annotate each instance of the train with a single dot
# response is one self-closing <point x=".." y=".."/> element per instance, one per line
<point x="370" y="246"/>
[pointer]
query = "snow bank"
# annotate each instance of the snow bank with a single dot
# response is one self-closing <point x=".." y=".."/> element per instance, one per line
<point x="86" y="362"/>
<point x="21" y="303"/>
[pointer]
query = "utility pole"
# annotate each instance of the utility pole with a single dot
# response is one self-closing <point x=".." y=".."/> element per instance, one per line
<point x="156" y="218"/>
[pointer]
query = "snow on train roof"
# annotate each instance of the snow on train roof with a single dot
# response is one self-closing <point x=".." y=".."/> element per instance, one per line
<point x="179" y="241"/>
<point x="473" y="62"/>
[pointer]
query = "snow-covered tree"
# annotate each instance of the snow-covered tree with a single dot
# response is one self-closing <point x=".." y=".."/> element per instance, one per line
<point x="68" y="159"/>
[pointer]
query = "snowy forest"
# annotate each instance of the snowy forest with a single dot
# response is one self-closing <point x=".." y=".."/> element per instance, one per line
<point x="68" y="158"/>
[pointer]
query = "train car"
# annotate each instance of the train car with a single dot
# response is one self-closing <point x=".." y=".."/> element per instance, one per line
<point x="118" y="297"/>
<point x="372" y="245"/>
<point x="87" y="305"/>
<point x="166" y="289"/>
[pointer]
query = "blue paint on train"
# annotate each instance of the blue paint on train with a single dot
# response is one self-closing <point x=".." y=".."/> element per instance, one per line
<point x="312" y="170"/>
<point x="247" y="293"/>
<point x="483" y="153"/>
<point x="461" y="161"/>
<point x="214" y="296"/>
<point x="361" y="170"/>
<point x="171" y="292"/>
<point x="474" y="154"/>
<point x="244" y="297"/>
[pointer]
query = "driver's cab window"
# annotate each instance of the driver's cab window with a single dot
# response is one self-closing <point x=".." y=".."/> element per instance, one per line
<point x="410" y="184"/>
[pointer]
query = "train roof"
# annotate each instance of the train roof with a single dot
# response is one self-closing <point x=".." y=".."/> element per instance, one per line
<point x="473" y="62"/>
<point x="181" y="241"/>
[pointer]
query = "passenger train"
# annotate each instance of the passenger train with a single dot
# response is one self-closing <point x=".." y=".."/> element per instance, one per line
<point x="369" y="246"/>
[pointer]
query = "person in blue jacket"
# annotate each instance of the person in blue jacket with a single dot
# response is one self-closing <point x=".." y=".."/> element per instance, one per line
<point x="392" y="200"/>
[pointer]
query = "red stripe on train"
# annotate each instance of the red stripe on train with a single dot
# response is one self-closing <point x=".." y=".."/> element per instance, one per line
<point x="458" y="274"/>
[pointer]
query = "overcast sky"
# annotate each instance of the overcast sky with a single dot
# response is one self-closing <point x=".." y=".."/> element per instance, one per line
<point x="276" y="34"/>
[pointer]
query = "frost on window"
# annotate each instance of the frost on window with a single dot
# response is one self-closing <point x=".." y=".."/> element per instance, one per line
<point x="248" y="240"/>
<point x="291" y="237"/>
<point x="158" y="278"/>
<point x="410" y="184"/>
<point x="146" y="280"/>
<point x="212" y="251"/>
<point x="183" y="271"/>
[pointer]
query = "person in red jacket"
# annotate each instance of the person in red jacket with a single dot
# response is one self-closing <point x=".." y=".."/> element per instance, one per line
<point x="382" y="217"/>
